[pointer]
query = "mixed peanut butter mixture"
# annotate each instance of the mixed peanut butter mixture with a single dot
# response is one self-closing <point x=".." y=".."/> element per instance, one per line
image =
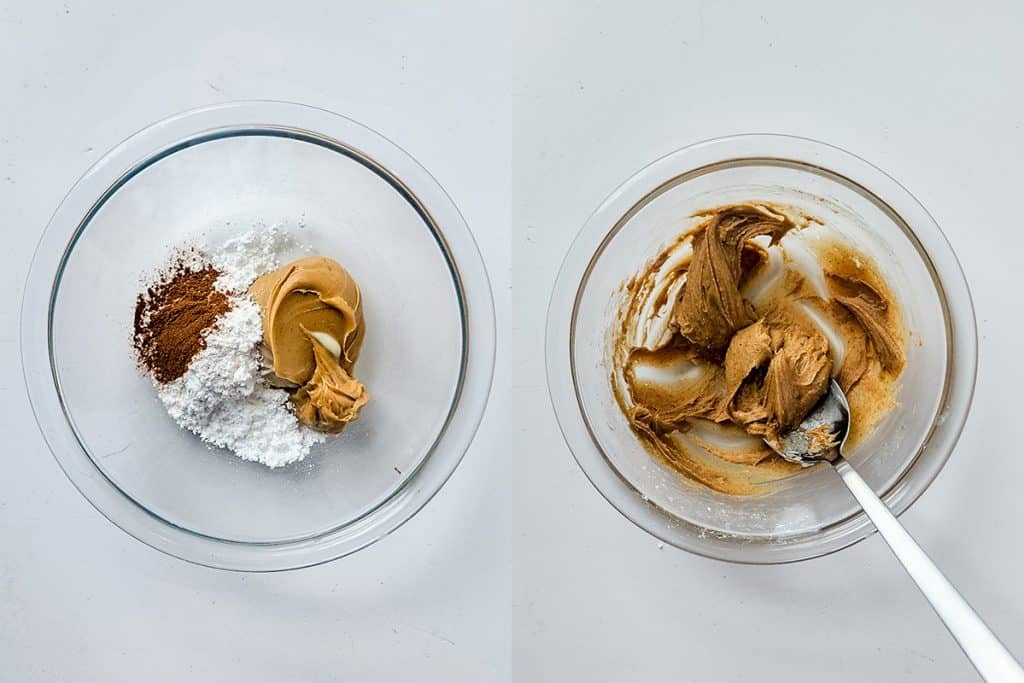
<point x="313" y="329"/>
<point x="730" y="336"/>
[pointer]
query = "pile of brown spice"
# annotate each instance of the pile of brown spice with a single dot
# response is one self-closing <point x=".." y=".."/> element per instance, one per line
<point x="173" y="314"/>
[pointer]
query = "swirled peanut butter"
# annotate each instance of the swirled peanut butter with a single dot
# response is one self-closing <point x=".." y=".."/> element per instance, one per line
<point x="731" y="334"/>
<point x="313" y="329"/>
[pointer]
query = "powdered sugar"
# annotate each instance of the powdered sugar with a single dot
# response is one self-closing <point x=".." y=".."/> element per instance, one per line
<point x="222" y="397"/>
<point x="244" y="258"/>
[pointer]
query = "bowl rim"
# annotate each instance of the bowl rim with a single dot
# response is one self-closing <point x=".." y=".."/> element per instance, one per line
<point x="675" y="167"/>
<point x="341" y="135"/>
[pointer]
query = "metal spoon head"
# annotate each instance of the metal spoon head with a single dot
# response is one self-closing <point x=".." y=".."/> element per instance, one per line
<point x="821" y="434"/>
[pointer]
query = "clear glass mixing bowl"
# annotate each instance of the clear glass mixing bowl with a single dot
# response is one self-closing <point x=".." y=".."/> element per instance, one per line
<point x="811" y="513"/>
<point x="350" y="194"/>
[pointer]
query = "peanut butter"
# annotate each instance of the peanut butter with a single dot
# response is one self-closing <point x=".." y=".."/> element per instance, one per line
<point x="313" y="330"/>
<point x="712" y="347"/>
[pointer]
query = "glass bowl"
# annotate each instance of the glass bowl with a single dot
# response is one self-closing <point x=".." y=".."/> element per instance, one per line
<point x="350" y="194"/>
<point x="811" y="513"/>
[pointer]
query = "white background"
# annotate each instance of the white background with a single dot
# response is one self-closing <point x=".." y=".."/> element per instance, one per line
<point x="528" y="113"/>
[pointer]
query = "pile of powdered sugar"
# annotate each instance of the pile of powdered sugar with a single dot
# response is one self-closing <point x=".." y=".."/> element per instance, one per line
<point x="245" y="257"/>
<point x="222" y="396"/>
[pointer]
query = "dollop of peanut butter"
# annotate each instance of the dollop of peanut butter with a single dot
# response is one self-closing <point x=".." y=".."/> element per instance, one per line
<point x="313" y="330"/>
<point x="776" y="370"/>
<point x="711" y="308"/>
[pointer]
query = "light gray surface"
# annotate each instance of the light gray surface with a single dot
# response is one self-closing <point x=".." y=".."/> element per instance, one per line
<point x="518" y="570"/>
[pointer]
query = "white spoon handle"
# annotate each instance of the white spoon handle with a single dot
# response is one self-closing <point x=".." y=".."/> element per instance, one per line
<point x="990" y="657"/>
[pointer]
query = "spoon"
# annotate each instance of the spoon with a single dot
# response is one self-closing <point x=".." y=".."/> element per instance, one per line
<point x="820" y="437"/>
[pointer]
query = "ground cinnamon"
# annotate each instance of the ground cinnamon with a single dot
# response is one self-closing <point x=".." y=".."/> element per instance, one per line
<point x="171" y="317"/>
